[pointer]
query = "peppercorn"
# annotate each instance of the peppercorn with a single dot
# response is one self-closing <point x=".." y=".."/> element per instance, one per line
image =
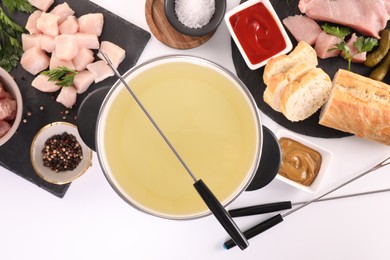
<point x="62" y="152"/>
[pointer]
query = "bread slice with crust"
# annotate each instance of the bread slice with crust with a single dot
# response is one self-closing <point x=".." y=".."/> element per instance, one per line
<point x="302" y="53"/>
<point x="303" y="97"/>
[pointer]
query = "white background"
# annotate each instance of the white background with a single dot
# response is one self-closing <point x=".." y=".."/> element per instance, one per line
<point x="92" y="222"/>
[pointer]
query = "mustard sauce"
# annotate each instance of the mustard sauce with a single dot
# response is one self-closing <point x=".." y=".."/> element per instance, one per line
<point x="299" y="162"/>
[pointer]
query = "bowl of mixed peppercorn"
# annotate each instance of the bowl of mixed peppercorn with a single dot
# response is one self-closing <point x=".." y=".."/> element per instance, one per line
<point x="58" y="154"/>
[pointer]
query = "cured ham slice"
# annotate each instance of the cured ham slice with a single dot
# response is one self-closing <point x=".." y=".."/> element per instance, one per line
<point x="366" y="16"/>
<point x="34" y="60"/>
<point x="67" y="96"/>
<point x="69" y="26"/>
<point x="101" y="70"/>
<point x="325" y="42"/>
<point x="83" y="58"/>
<point x="113" y="51"/>
<point x="91" y="24"/>
<point x="354" y="52"/>
<point x="67" y="46"/>
<point x="303" y="28"/>
<point x="42" y="5"/>
<point x="47" y="23"/>
<point x="63" y="11"/>
<point x="31" y="25"/>
<point x="83" y="80"/>
<point x="42" y="83"/>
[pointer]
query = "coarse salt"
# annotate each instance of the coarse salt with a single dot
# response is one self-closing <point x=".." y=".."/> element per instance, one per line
<point x="194" y="13"/>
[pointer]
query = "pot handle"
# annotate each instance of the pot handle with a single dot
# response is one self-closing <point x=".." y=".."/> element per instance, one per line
<point x="88" y="114"/>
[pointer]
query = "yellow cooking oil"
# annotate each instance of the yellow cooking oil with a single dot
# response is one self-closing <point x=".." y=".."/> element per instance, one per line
<point x="208" y="120"/>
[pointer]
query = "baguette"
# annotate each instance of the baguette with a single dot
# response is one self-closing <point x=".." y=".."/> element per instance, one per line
<point x="358" y="105"/>
<point x="303" y="52"/>
<point x="303" y="97"/>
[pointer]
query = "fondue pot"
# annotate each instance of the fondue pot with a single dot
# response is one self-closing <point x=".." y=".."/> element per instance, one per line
<point x="207" y="113"/>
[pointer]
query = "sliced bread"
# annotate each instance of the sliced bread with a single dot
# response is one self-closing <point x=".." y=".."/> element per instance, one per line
<point x="278" y="82"/>
<point x="303" y="52"/>
<point x="303" y="97"/>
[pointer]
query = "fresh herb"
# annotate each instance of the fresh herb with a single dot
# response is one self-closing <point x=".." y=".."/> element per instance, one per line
<point x="62" y="75"/>
<point x="10" y="33"/>
<point x="340" y="32"/>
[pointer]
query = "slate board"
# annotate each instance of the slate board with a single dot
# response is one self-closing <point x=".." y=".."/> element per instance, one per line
<point x="253" y="79"/>
<point x="15" y="154"/>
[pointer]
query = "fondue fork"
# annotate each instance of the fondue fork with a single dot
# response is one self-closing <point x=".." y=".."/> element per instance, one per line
<point x="205" y="193"/>
<point x="269" y="223"/>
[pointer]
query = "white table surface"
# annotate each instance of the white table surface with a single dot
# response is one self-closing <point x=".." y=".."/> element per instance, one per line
<point x="92" y="222"/>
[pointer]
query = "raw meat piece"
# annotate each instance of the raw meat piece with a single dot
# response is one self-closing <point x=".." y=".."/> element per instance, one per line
<point x="42" y="5"/>
<point x="4" y="127"/>
<point x="47" y="23"/>
<point x="47" y="43"/>
<point x="303" y="28"/>
<point x="325" y="42"/>
<point x="83" y="80"/>
<point x="91" y="23"/>
<point x="69" y="26"/>
<point x="42" y="83"/>
<point x="31" y="25"/>
<point x="353" y="51"/>
<point x="7" y="109"/>
<point x="83" y="58"/>
<point x="63" y="11"/>
<point x="34" y="60"/>
<point x="101" y="70"/>
<point x="89" y="41"/>
<point x="56" y="62"/>
<point x="113" y="51"/>
<point x="67" y="96"/>
<point x="3" y="93"/>
<point x="366" y="16"/>
<point x="31" y="40"/>
<point x="67" y="46"/>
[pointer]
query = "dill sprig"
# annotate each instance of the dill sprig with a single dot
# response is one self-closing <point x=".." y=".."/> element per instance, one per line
<point x="61" y="75"/>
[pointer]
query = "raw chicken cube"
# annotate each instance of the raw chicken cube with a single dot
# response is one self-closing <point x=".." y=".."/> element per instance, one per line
<point x="31" y="25"/>
<point x="83" y="58"/>
<point x="67" y="96"/>
<point x="354" y="52"/>
<point x="47" y="23"/>
<point x="83" y="80"/>
<point x="34" y="60"/>
<point x="324" y="43"/>
<point x="56" y="62"/>
<point x="42" y="83"/>
<point x="31" y="40"/>
<point x="91" y="23"/>
<point x="4" y="127"/>
<point x="113" y="51"/>
<point x="69" y="26"/>
<point x="67" y="46"/>
<point x="303" y="28"/>
<point x="63" y="11"/>
<point x="42" y="5"/>
<point x="7" y="109"/>
<point x="89" y="41"/>
<point x="47" y="43"/>
<point x="101" y="70"/>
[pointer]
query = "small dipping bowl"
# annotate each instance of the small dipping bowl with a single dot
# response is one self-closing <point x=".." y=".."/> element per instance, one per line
<point x="257" y="31"/>
<point x="211" y="26"/>
<point x="326" y="158"/>
<point x="38" y="143"/>
<point x="11" y="87"/>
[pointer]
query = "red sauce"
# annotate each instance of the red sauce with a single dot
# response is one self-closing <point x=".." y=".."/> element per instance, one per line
<point x="258" y="33"/>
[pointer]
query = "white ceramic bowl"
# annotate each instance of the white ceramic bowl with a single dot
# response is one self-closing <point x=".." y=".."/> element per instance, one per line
<point x="11" y="86"/>
<point x="326" y="160"/>
<point x="269" y="7"/>
<point x="37" y="145"/>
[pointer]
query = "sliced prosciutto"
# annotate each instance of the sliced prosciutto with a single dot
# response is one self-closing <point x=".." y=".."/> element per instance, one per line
<point x="324" y="43"/>
<point x="303" y="28"/>
<point x="366" y="16"/>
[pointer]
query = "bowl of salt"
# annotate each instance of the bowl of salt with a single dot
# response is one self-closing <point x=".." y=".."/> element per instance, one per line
<point x="195" y="17"/>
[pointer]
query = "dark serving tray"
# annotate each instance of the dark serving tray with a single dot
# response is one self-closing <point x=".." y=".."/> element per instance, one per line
<point x="253" y="79"/>
<point x="15" y="154"/>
